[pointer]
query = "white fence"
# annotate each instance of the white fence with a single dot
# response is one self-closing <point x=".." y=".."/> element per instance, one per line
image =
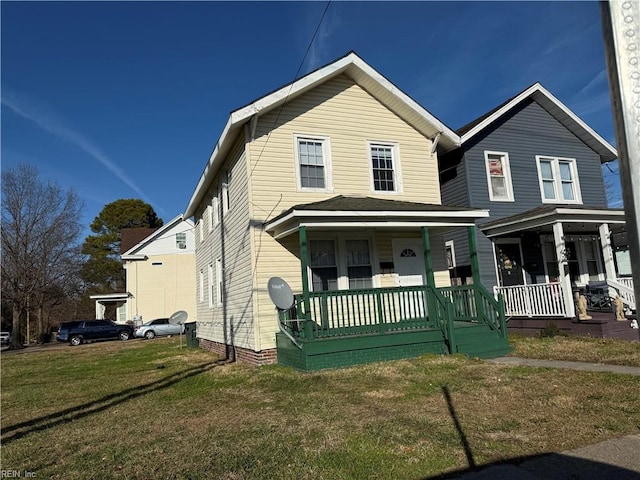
<point x="624" y="287"/>
<point x="539" y="300"/>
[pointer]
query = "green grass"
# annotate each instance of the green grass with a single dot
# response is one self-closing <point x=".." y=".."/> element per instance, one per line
<point x="147" y="409"/>
<point x="580" y="349"/>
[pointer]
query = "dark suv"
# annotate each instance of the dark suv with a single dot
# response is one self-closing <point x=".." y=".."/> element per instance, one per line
<point x="82" y="331"/>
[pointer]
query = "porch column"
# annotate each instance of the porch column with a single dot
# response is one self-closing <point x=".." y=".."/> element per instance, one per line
<point x="428" y="264"/>
<point x="308" y="329"/>
<point x="607" y="251"/>
<point x="473" y="252"/>
<point x="563" y="269"/>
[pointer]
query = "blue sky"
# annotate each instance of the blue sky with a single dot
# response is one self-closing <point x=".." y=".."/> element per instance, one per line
<point x="127" y="99"/>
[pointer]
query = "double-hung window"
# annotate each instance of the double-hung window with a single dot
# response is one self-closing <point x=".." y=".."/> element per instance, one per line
<point x="181" y="240"/>
<point x="359" y="264"/>
<point x="499" y="176"/>
<point x="324" y="265"/>
<point x="211" y="285"/>
<point x="313" y="163"/>
<point x="384" y="167"/>
<point x="219" y="281"/>
<point x="558" y="178"/>
<point x="340" y="264"/>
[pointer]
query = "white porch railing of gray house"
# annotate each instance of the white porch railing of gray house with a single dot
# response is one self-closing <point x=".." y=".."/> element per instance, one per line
<point x="539" y="300"/>
<point x="623" y="287"/>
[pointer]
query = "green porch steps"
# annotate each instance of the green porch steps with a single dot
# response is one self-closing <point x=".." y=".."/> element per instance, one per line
<point x="473" y="340"/>
<point x="480" y="341"/>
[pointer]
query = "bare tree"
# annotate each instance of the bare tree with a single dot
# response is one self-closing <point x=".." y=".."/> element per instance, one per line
<point x="40" y="250"/>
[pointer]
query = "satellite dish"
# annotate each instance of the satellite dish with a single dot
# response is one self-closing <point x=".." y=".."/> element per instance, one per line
<point x="280" y="293"/>
<point x="178" y="318"/>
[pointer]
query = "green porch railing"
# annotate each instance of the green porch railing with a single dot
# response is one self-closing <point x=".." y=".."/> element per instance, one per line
<point x="473" y="303"/>
<point x="370" y="311"/>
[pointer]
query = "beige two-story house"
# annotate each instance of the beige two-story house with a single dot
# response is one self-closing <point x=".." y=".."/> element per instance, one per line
<point x="331" y="184"/>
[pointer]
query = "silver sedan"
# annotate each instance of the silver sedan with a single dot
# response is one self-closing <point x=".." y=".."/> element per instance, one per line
<point x="158" y="327"/>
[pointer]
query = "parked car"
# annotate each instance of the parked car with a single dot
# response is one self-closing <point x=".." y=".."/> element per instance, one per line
<point x="158" y="327"/>
<point x="5" y="338"/>
<point x="81" y="331"/>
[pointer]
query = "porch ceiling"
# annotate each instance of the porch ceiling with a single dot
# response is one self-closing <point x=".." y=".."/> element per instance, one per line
<point x="575" y="219"/>
<point x="346" y="212"/>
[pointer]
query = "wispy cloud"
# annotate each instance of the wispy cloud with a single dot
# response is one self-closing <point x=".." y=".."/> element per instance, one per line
<point x="597" y="81"/>
<point x="319" y="47"/>
<point x="53" y="124"/>
<point x="562" y="41"/>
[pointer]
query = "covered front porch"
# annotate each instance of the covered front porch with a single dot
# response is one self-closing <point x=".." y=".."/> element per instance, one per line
<point x="375" y="285"/>
<point x="548" y="257"/>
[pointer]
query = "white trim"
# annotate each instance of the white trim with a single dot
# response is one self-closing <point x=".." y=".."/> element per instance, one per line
<point x="325" y="141"/>
<point x="210" y="217"/>
<point x="201" y="286"/>
<point x="224" y="187"/>
<point x="210" y="284"/>
<point x="219" y="281"/>
<point x="396" y="168"/>
<point x="557" y="180"/>
<point x="216" y="208"/>
<point x="406" y="214"/>
<point x="372" y="224"/>
<point x="540" y="92"/>
<point x="506" y="173"/>
<point x="201" y="228"/>
<point x="450" y="243"/>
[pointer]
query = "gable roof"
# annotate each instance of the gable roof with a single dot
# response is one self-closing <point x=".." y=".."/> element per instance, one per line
<point x="555" y="108"/>
<point x="155" y="234"/>
<point x="363" y="75"/>
<point x="132" y="236"/>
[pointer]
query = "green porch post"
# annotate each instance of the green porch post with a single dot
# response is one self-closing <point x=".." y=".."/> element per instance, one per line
<point x="473" y="251"/>
<point x="475" y="270"/>
<point x="431" y="281"/>
<point x="308" y="328"/>
<point x="428" y="264"/>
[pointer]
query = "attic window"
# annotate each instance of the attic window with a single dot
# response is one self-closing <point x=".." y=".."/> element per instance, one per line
<point x="181" y="240"/>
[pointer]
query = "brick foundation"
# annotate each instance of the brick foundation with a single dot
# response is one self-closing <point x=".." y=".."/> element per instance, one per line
<point x="239" y="354"/>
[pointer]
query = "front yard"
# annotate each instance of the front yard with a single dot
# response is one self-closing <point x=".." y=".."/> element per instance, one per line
<point x="148" y="409"/>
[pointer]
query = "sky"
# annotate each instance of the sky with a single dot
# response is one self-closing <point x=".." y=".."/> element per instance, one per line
<point x="127" y="99"/>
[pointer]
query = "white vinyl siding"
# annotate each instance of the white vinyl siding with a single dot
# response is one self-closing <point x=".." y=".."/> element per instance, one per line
<point x="498" y="176"/>
<point x="385" y="167"/>
<point x="558" y="178"/>
<point x="313" y="164"/>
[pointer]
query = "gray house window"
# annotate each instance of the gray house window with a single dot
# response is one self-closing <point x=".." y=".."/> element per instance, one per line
<point x="558" y="179"/>
<point x="499" y="176"/>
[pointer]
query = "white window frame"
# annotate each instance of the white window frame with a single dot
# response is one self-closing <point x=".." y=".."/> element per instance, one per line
<point x="219" y="280"/>
<point x="557" y="181"/>
<point x="211" y="284"/>
<point x="226" y="204"/>
<point x="326" y="160"/>
<point x="447" y="244"/>
<point x="216" y="210"/>
<point x="201" y="286"/>
<point x="210" y="217"/>
<point x="201" y="228"/>
<point x="395" y="160"/>
<point x="340" y="243"/>
<point x="181" y="240"/>
<point x="506" y="173"/>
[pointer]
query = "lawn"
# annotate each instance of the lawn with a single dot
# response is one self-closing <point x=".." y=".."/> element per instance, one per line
<point x="148" y="409"/>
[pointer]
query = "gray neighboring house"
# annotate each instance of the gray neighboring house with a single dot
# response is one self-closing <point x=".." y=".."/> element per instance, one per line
<point x="536" y="167"/>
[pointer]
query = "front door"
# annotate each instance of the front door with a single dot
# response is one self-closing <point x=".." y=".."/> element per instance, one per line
<point x="408" y="261"/>
<point x="509" y="262"/>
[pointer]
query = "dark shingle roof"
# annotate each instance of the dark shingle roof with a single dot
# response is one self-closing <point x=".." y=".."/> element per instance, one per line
<point x="130" y="237"/>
